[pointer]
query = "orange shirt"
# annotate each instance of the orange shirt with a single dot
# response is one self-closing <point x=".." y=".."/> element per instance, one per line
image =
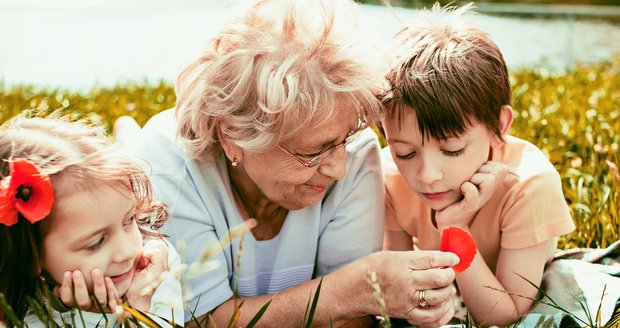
<point x="527" y="209"/>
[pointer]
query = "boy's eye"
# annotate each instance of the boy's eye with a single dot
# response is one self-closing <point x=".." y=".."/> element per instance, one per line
<point x="95" y="246"/>
<point x="407" y="156"/>
<point x="454" y="153"/>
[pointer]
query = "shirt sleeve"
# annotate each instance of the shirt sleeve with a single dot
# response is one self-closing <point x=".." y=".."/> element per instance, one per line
<point x="353" y="212"/>
<point x="537" y="213"/>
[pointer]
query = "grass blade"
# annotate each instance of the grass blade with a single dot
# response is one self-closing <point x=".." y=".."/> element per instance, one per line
<point x="259" y="314"/>
<point x="315" y="301"/>
<point x="140" y="316"/>
<point x="9" y="313"/>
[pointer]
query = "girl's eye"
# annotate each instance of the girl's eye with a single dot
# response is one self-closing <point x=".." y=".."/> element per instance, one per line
<point x="96" y="245"/>
<point x="129" y="221"/>
<point x="454" y="153"/>
<point x="406" y="157"/>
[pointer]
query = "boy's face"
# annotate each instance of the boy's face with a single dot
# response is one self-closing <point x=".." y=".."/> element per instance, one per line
<point x="94" y="229"/>
<point x="436" y="169"/>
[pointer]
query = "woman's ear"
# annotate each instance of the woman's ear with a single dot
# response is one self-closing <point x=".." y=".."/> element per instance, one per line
<point x="505" y="122"/>
<point x="232" y="151"/>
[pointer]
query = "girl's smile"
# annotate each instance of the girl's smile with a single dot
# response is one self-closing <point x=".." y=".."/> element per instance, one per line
<point x="94" y="229"/>
<point x="129" y="274"/>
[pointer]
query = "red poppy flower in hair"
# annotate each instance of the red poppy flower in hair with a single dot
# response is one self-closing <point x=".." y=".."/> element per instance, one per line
<point x="461" y="243"/>
<point x="25" y="191"/>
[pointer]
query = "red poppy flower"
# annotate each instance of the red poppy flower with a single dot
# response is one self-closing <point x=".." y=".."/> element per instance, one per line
<point x="26" y="191"/>
<point x="461" y="243"/>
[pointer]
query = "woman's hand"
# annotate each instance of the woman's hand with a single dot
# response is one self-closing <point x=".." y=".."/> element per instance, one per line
<point x="150" y="272"/>
<point x="476" y="192"/>
<point x="417" y="285"/>
<point x="73" y="292"/>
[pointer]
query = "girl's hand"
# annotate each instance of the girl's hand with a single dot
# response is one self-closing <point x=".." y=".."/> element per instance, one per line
<point x="476" y="192"/>
<point x="152" y="264"/>
<point x="73" y="292"/>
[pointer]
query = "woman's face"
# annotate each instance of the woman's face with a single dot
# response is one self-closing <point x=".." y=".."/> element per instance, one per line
<point x="94" y="229"/>
<point x="282" y="179"/>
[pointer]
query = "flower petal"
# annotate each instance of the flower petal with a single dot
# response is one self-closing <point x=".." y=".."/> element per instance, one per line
<point x="8" y="213"/>
<point x="39" y="204"/>
<point x="461" y="243"/>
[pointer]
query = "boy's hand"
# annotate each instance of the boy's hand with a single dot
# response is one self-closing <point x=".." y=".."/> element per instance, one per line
<point x="476" y="192"/>
<point x="150" y="270"/>
<point x="73" y="292"/>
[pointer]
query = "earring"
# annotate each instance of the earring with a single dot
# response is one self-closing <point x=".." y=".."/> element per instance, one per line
<point x="234" y="162"/>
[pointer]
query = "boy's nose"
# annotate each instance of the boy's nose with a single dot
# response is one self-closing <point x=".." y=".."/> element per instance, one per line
<point x="429" y="172"/>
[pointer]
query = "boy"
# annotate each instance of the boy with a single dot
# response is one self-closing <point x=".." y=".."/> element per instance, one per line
<point x="453" y="163"/>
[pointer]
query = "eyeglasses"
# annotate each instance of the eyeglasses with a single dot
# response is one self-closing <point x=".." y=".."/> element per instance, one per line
<point x="315" y="160"/>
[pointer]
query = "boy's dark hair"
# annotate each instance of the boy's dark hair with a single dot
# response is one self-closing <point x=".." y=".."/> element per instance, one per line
<point x="449" y="72"/>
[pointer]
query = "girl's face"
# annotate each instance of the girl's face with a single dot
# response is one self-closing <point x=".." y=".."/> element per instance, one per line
<point x="94" y="229"/>
<point x="434" y="169"/>
<point x="282" y="179"/>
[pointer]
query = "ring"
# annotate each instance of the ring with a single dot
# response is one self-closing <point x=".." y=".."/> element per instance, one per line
<point x="421" y="300"/>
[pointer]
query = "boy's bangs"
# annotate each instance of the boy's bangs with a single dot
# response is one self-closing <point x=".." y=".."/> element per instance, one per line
<point x="438" y="120"/>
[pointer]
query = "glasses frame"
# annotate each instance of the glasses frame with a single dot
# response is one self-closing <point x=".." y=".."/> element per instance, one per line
<point x="314" y="161"/>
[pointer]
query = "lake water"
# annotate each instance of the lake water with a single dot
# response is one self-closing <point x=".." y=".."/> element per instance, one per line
<point x="80" y="44"/>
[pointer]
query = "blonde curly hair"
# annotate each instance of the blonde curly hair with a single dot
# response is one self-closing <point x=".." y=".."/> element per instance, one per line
<point x="272" y="71"/>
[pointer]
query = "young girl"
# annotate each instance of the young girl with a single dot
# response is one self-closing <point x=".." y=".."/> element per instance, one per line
<point x="451" y="162"/>
<point x="72" y="212"/>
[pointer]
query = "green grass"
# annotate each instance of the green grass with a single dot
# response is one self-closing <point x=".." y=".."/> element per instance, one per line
<point x="573" y="117"/>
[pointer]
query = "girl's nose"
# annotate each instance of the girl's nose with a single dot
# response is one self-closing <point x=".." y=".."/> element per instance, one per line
<point x="126" y="250"/>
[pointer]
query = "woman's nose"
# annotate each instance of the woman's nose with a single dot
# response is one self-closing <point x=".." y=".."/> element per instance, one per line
<point x="335" y="164"/>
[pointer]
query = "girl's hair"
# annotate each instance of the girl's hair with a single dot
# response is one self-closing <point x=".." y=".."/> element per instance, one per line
<point x="449" y="73"/>
<point x="282" y="66"/>
<point x="78" y="158"/>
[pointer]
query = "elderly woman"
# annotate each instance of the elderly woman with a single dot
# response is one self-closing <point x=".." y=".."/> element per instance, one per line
<point x="271" y="125"/>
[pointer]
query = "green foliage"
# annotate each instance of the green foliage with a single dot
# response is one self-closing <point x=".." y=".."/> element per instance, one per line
<point x="105" y="105"/>
<point x="573" y="117"/>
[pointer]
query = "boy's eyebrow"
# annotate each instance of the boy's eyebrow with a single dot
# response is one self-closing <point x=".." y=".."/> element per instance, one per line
<point x="394" y="140"/>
